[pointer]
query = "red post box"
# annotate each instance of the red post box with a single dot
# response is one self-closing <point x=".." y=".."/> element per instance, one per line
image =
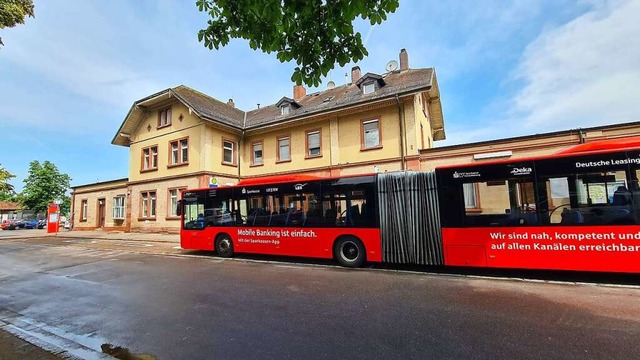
<point x="53" y="218"/>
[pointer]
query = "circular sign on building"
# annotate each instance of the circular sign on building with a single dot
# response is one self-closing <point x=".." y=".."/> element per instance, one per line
<point x="213" y="182"/>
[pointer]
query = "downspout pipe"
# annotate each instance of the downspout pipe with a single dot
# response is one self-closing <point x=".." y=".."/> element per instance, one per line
<point x="581" y="136"/>
<point x="402" y="140"/>
<point x="244" y="125"/>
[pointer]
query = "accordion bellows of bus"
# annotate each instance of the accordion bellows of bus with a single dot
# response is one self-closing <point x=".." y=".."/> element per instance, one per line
<point x="578" y="209"/>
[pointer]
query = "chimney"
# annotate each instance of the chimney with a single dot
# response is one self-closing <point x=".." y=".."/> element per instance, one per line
<point x="299" y="92"/>
<point x="231" y="103"/>
<point x="355" y="74"/>
<point x="404" y="60"/>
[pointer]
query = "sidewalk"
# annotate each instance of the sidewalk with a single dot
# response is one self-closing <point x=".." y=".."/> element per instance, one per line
<point x="93" y="234"/>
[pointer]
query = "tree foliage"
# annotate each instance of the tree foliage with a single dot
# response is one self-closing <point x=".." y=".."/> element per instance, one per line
<point x="7" y="192"/>
<point x="13" y="12"/>
<point x="43" y="185"/>
<point x="317" y="34"/>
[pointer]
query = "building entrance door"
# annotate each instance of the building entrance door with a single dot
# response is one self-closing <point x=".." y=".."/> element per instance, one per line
<point x="101" y="206"/>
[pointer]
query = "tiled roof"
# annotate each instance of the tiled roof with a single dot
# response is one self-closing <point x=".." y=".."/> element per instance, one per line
<point x="209" y="107"/>
<point x="343" y="96"/>
<point x="9" y="206"/>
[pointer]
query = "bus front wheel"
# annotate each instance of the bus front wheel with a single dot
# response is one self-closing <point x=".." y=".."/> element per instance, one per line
<point x="349" y="252"/>
<point x="224" y="246"/>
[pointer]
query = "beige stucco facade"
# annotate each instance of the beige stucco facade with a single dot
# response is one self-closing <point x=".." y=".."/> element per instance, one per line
<point x="158" y="128"/>
<point x="182" y="139"/>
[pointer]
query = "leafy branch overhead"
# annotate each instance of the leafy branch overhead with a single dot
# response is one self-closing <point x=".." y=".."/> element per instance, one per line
<point x="317" y="34"/>
<point x="13" y="12"/>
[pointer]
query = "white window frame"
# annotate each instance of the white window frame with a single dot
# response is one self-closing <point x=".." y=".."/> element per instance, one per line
<point x="174" y="153"/>
<point x="255" y="159"/>
<point x="319" y="147"/>
<point x="368" y="88"/>
<point x="285" y="109"/>
<point x="164" y="117"/>
<point x="173" y="201"/>
<point x="470" y="196"/>
<point x="150" y="158"/>
<point x="230" y="149"/>
<point x="364" y="133"/>
<point x="148" y="204"/>
<point x="84" y="210"/>
<point x="281" y="146"/>
<point x="184" y="150"/>
<point x="118" y="209"/>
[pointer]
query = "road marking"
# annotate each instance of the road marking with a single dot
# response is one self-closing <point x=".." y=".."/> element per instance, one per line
<point x="133" y="244"/>
<point x="80" y="241"/>
<point x="51" y="338"/>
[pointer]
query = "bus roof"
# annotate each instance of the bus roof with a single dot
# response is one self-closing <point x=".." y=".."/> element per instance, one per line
<point x="609" y="144"/>
<point x="278" y="179"/>
<point x="593" y="147"/>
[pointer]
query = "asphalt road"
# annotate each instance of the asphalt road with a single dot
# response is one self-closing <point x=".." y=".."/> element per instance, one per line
<point x="86" y="298"/>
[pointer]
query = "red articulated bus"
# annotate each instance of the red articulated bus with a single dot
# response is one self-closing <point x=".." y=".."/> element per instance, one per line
<point x="578" y="209"/>
<point x="286" y="215"/>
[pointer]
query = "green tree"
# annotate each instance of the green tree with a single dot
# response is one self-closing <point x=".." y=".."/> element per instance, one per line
<point x="43" y="185"/>
<point x="13" y="12"/>
<point x="317" y="34"/>
<point x="7" y="192"/>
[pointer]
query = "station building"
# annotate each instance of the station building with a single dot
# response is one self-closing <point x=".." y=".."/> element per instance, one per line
<point x="180" y="138"/>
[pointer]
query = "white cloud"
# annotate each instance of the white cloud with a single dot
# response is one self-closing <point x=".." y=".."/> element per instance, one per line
<point x="584" y="73"/>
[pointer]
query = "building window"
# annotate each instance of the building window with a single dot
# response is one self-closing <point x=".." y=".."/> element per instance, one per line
<point x="118" y="207"/>
<point x="148" y="204"/>
<point x="83" y="211"/>
<point x="256" y="153"/>
<point x="228" y="156"/>
<point x="284" y="150"/>
<point x="470" y="196"/>
<point x="150" y="158"/>
<point x="164" y="117"/>
<point x="314" y="148"/>
<point x="285" y="109"/>
<point x="371" y="134"/>
<point x="173" y="202"/>
<point x="179" y="152"/>
<point x="368" y="88"/>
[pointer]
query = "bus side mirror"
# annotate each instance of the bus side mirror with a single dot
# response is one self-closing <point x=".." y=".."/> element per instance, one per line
<point x="179" y="208"/>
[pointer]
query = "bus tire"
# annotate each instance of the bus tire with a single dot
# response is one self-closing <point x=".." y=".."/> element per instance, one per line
<point x="224" y="246"/>
<point x="349" y="251"/>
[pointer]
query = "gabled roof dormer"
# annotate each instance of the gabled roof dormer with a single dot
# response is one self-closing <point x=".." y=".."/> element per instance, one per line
<point x="287" y="105"/>
<point x="369" y="83"/>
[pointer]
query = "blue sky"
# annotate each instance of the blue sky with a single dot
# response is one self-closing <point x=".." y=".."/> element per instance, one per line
<point x="505" y="68"/>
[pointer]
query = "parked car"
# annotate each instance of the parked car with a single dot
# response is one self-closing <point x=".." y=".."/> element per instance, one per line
<point x="13" y="224"/>
<point x="5" y="224"/>
<point x="31" y="224"/>
<point x="42" y="224"/>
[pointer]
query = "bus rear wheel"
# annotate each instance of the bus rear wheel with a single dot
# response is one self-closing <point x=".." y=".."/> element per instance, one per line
<point x="349" y="252"/>
<point x="224" y="246"/>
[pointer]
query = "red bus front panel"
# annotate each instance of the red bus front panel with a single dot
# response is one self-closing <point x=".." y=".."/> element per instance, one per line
<point x="302" y="242"/>
<point x="587" y="248"/>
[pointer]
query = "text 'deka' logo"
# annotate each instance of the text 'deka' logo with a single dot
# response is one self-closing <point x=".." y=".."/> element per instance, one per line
<point x="521" y="171"/>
